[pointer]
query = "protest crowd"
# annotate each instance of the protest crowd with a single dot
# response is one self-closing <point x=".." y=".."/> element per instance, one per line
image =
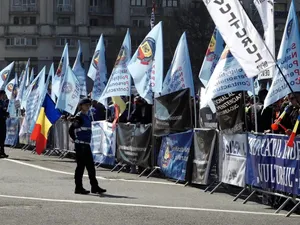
<point x="238" y="130"/>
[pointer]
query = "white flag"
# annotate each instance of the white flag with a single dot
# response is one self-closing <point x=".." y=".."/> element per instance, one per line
<point x="240" y="35"/>
<point x="60" y="72"/>
<point x="266" y="12"/>
<point x="4" y="75"/>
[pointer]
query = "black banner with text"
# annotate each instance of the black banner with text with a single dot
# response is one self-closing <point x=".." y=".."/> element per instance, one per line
<point x="173" y="113"/>
<point x="133" y="144"/>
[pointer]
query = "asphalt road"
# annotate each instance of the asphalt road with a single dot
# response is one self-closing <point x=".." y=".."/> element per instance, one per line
<point x="39" y="190"/>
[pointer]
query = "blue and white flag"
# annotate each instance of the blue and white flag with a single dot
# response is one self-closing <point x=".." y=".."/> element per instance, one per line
<point x="11" y="91"/>
<point x="60" y="72"/>
<point x="256" y="87"/>
<point x="22" y="90"/>
<point x="70" y="93"/>
<point x="146" y="65"/>
<point x="12" y="87"/>
<point x="78" y="69"/>
<point x="31" y="75"/>
<point x="51" y="75"/>
<point x="119" y="82"/>
<point x="212" y="56"/>
<point x="180" y="75"/>
<point x="227" y="77"/>
<point x="266" y="13"/>
<point x="27" y="76"/>
<point x="287" y="60"/>
<point x="35" y="99"/>
<point x="98" y="71"/>
<point x="4" y="75"/>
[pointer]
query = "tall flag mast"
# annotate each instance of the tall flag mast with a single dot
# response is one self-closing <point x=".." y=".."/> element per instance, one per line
<point x="152" y="19"/>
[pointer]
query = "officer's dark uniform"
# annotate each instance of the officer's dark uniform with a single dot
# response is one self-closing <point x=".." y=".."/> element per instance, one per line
<point x="80" y="132"/>
<point x="3" y="117"/>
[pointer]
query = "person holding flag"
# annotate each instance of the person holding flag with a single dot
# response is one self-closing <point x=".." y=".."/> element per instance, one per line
<point x="3" y="116"/>
<point x="81" y="133"/>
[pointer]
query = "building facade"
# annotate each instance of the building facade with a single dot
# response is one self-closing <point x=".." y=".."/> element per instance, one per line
<point x="39" y="29"/>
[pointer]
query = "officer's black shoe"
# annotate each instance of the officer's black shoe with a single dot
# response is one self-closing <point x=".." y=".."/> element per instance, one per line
<point x="98" y="190"/>
<point x="3" y="155"/>
<point x="81" y="191"/>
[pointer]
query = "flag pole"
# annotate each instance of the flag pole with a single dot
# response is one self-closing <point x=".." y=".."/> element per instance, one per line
<point x="195" y="111"/>
<point x="129" y="108"/>
<point x="254" y="103"/>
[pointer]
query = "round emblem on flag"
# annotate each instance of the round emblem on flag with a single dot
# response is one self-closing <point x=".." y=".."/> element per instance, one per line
<point x="289" y="28"/>
<point x="146" y="51"/>
<point x="167" y="156"/>
<point x="4" y="75"/>
<point x="10" y="87"/>
<point x="95" y="60"/>
<point x="60" y="67"/>
<point x="121" y="59"/>
<point x="36" y="84"/>
<point x="67" y="87"/>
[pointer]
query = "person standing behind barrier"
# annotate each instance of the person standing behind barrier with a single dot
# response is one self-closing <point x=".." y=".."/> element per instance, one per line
<point x="3" y="116"/>
<point x="80" y="132"/>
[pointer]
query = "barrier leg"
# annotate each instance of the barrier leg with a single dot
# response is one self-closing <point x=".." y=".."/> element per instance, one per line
<point x="177" y="181"/>
<point x="293" y="209"/>
<point x="216" y="187"/>
<point x="209" y="186"/>
<point x="236" y="198"/>
<point x="247" y="199"/>
<point x="33" y="151"/>
<point x="186" y="184"/>
<point x="121" y="168"/>
<point x="283" y="205"/>
<point x="144" y="171"/>
<point x="155" y="168"/>
<point x="113" y="169"/>
<point x="98" y="165"/>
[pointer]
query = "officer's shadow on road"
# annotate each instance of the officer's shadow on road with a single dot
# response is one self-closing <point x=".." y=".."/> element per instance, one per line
<point x="111" y="196"/>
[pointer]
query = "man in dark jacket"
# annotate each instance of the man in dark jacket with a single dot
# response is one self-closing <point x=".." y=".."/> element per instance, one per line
<point x="81" y="133"/>
<point x="3" y="116"/>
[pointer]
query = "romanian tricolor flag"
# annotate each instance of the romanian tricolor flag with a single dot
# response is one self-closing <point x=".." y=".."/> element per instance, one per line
<point x="47" y="117"/>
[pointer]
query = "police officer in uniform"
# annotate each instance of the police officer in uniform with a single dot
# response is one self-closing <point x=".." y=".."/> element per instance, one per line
<point x="3" y="116"/>
<point x="80" y="132"/>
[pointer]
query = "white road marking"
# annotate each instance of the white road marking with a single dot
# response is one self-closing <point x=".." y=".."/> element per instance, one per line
<point x="142" y="205"/>
<point x="98" y="177"/>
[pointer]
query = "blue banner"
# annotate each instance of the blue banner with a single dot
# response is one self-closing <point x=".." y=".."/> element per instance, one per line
<point x="12" y="131"/>
<point x="103" y="143"/>
<point x="272" y="164"/>
<point x="174" y="153"/>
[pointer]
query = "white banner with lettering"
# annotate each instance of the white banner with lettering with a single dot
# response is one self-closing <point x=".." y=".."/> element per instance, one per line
<point x="240" y="35"/>
<point x="232" y="158"/>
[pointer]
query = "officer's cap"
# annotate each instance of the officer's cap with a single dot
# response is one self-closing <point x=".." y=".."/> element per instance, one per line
<point x="85" y="101"/>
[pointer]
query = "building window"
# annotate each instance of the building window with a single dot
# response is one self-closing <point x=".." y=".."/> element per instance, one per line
<point x="63" y="21"/>
<point x="170" y="3"/>
<point x="21" y="41"/>
<point x="61" y="42"/>
<point x="138" y="23"/>
<point x="32" y="20"/>
<point x="64" y="5"/>
<point x="16" y="20"/>
<point x="195" y="4"/>
<point x="24" y="20"/>
<point x="94" y="3"/>
<point x="23" y="2"/>
<point x="94" y="22"/>
<point x="138" y="2"/>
